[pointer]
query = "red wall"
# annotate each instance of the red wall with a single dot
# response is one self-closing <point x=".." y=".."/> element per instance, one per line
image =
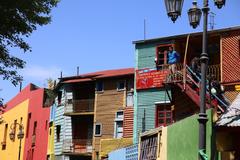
<point x="231" y="57"/>
<point x="128" y="122"/>
<point x="41" y="115"/>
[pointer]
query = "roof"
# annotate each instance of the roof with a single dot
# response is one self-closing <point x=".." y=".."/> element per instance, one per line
<point x="231" y="118"/>
<point x="185" y="35"/>
<point x="98" y="75"/>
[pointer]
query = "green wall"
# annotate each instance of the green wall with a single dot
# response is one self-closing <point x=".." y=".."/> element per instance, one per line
<point x="182" y="138"/>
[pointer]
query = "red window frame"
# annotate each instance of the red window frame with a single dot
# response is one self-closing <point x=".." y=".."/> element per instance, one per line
<point x="161" y="48"/>
<point x="164" y="115"/>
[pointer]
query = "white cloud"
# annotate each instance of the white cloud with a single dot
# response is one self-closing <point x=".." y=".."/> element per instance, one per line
<point x="40" y="73"/>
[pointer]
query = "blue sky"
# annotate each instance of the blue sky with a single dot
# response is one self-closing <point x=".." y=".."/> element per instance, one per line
<point x="97" y="35"/>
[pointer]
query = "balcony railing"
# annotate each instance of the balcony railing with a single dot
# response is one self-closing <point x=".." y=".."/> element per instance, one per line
<point x="213" y="72"/>
<point x="77" y="146"/>
<point x="79" y="106"/>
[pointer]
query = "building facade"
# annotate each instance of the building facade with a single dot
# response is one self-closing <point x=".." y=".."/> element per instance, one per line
<point x="92" y="107"/>
<point x="156" y="86"/>
<point x="24" y="125"/>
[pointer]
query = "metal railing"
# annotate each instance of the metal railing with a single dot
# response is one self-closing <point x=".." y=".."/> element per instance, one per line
<point x="77" y="146"/>
<point x="175" y="73"/>
<point x="78" y="106"/>
<point x="214" y="72"/>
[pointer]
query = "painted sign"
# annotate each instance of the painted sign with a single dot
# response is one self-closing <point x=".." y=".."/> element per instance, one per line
<point x="150" y="78"/>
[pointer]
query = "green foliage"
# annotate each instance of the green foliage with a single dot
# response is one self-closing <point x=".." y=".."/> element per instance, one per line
<point x="19" y="18"/>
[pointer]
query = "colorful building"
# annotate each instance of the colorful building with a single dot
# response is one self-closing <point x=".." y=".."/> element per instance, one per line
<point x="170" y="100"/>
<point x="24" y="125"/>
<point x="92" y="107"/>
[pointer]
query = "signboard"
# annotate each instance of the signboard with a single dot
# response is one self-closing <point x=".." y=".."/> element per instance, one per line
<point x="150" y="78"/>
<point x="237" y="87"/>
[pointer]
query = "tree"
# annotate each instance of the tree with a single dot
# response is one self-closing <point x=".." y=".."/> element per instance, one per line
<point x="19" y="18"/>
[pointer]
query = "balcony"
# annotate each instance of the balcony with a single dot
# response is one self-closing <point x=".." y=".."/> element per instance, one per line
<point x="79" y="107"/>
<point x="77" y="146"/>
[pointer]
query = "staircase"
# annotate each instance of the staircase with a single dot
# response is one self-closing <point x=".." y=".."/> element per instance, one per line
<point x="184" y="79"/>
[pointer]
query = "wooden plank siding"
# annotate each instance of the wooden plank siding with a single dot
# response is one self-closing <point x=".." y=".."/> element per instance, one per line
<point x="128" y="122"/>
<point x="107" y="103"/>
<point x="230" y="57"/>
<point x="146" y="100"/>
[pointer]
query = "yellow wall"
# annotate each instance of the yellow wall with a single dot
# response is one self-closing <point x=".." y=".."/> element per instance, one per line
<point x="163" y="145"/>
<point x="108" y="145"/>
<point x="12" y="147"/>
<point x="50" y="151"/>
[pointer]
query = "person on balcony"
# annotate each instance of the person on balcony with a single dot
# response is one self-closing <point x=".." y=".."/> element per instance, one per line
<point x="173" y="59"/>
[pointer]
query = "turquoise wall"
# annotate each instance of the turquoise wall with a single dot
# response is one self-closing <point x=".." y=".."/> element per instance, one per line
<point x="182" y="138"/>
<point x="145" y="99"/>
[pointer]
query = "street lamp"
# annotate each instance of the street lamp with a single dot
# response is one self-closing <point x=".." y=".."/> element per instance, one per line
<point x="194" y="15"/>
<point x="174" y="10"/>
<point x="20" y="135"/>
<point x="219" y="3"/>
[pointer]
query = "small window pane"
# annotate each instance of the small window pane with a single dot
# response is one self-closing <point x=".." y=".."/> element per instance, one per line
<point x="119" y="114"/>
<point x="169" y="120"/>
<point x="169" y="114"/>
<point x="161" y="114"/>
<point x="99" y="86"/>
<point x="97" y="129"/>
<point x="120" y="85"/>
<point x="160" y="121"/>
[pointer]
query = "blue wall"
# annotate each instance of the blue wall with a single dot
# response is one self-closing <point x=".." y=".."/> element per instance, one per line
<point x="119" y="154"/>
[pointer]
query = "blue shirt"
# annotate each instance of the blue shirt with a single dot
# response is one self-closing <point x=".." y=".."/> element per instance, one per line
<point x="173" y="57"/>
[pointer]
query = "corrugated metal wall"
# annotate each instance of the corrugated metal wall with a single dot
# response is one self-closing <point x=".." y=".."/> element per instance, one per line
<point x="128" y="122"/>
<point x="132" y="152"/>
<point x="231" y="57"/>
<point x="66" y="127"/>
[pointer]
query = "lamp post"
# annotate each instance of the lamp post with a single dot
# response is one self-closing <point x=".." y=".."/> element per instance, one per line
<point x="20" y="136"/>
<point x="174" y="8"/>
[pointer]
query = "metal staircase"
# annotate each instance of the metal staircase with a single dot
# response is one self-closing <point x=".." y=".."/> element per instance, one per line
<point x="185" y="79"/>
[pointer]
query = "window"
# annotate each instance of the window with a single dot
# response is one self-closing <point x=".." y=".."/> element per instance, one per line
<point x="98" y="129"/>
<point x="164" y="115"/>
<point x="99" y="86"/>
<point x="119" y="115"/>
<point x="34" y="128"/>
<point x="120" y="85"/>
<point x="119" y="125"/>
<point x="130" y="85"/>
<point x="161" y="56"/>
<point x="58" y="131"/>
<point x="4" y="142"/>
<point x="59" y="97"/>
<point x="130" y="99"/>
<point x="28" y="123"/>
